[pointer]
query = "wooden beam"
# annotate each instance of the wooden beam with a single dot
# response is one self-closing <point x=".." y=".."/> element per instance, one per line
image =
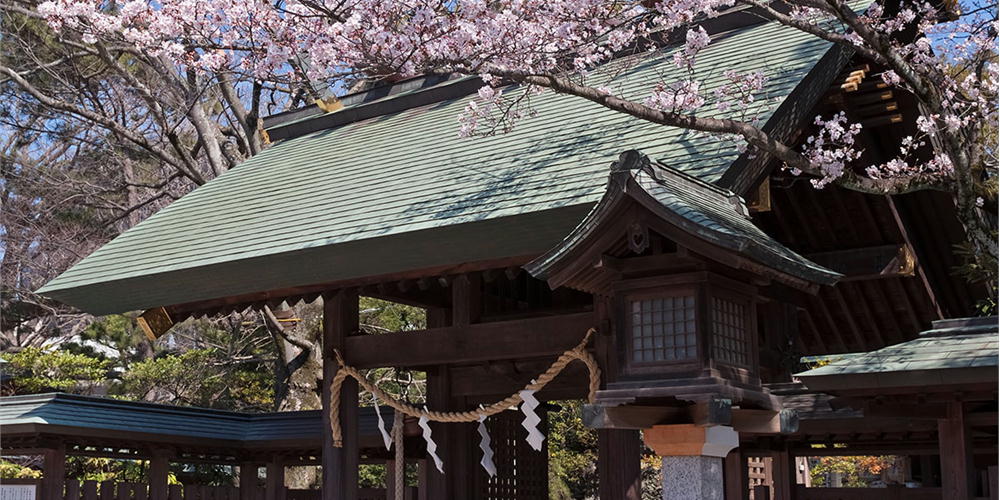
<point x="643" y="265"/>
<point x="931" y="295"/>
<point x="867" y="263"/>
<point x="340" y="465"/>
<point x="703" y="413"/>
<point x="745" y="420"/>
<point x="630" y="417"/>
<point x="498" y="379"/>
<point x="915" y="410"/>
<point x="524" y="338"/>
<point x="957" y="471"/>
<point x="189" y="309"/>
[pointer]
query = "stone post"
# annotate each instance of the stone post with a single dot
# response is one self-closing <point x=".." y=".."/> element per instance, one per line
<point x="692" y="459"/>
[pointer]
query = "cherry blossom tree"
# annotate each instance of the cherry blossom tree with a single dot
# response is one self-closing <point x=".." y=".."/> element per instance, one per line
<point x="942" y="53"/>
<point x="95" y="137"/>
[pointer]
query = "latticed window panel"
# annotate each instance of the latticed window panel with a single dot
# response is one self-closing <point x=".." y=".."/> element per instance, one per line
<point x="522" y="473"/>
<point x="731" y="343"/>
<point x="663" y="329"/>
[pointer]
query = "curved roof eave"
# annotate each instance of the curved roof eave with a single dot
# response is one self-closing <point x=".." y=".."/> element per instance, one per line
<point x="711" y="214"/>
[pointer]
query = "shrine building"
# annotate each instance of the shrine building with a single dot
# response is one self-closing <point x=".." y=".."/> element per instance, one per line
<point x="699" y="278"/>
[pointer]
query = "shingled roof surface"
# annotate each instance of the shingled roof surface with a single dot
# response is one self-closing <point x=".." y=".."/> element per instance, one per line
<point x="954" y="352"/>
<point x="715" y="215"/>
<point x="402" y="191"/>
<point x="68" y="412"/>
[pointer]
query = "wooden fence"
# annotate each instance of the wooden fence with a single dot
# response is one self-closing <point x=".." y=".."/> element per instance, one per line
<point x="111" y="490"/>
<point x="895" y="493"/>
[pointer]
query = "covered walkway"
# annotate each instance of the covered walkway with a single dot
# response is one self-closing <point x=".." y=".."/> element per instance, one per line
<point x="58" y="425"/>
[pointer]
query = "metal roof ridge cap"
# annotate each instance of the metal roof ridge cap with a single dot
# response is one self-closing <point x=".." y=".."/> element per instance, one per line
<point x="459" y="87"/>
<point x="129" y="404"/>
<point x="731" y="196"/>
<point x="316" y="110"/>
<point x="24" y="398"/>
<point x="968" y="321"/>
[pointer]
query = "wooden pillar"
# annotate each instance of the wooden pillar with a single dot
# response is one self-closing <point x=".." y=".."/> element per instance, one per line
<point x="53" y="472"/>
<point x="605" y="347"/>
<point x="466" y="299"/>
<point x="957" y="473"/>
<point x="991" y="475"/>
<point x="928" y="466"/>
<point x="618" y="467"/>
<point x="274" y="488"/>
<point x="737" y="481"/>
<point x="783" y="464"/>
<point x="433" y="484"/>
<point x="454" y="440"/>
<point x="159" y="469"/>
<point x="390" y="480"/>
<point x="340" y="465"/>
<point x="422" y="480"/>
<point x="248" y="480"/>
<point x="466" y="309"/>
<point x="439" y="398"/>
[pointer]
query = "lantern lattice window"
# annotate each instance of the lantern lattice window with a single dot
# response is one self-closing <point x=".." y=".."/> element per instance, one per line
<point x="663" y="329"/>
<point x="730" y="344"/>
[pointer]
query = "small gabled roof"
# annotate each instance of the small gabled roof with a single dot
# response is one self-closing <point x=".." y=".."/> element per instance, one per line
<point x="375" y="194"/>
<point x="696" y="209"/>
<point x="955" y="352"/>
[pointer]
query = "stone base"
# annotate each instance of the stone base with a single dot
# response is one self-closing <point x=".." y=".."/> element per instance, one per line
<point x="693" y="478"/>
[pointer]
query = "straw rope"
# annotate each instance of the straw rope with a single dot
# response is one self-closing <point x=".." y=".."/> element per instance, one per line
<point x="578" y="353"/>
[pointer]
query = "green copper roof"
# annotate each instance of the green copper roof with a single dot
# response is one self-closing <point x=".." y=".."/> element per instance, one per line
<point x="74" y="413"/>
<point x="956" y="352"/>
<point x="402" y="191"/>
<point x="711" y="214"/>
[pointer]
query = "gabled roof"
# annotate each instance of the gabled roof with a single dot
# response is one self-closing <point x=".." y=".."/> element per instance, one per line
<point x="402" y="191"/>
<point x="698" y="210"/>
<point x="83" y="416"/>
<point x="955" y="352"/>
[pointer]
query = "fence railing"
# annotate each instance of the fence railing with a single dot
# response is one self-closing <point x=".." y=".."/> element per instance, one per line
<point x="896" y="493"/>
<point x="112" y="490"/>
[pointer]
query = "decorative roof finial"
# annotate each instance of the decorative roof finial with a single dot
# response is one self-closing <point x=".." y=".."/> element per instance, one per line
<point x="630" y="159"/>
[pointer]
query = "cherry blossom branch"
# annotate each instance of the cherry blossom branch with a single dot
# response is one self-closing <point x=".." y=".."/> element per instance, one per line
<point x="753" y="135"/>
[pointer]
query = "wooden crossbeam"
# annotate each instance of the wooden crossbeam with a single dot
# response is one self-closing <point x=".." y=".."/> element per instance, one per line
<point x="524" y="338"/>
<point x="883" y="261"/>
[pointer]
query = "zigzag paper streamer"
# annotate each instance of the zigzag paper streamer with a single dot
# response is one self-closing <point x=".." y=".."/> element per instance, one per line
<point x="531" y="419"/>
<point x="484" y="444"/>
<point x="431" y="445"/>
<point x="386" y="438"/>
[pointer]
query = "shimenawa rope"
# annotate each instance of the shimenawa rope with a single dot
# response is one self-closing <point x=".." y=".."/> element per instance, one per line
<point x="577" y="353"/>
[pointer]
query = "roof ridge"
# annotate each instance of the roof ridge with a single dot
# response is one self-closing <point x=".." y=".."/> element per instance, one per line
<point x="392" y="97"/>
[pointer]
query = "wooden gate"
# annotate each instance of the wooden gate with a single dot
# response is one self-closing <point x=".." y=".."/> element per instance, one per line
<point x="522" y="473"/>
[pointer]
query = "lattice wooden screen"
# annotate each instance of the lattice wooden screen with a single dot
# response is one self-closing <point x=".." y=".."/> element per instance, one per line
<point x="522" y="473"/>
<point x="759" y="473"/>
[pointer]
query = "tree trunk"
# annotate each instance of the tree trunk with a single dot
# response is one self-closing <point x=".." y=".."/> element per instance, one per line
<point x="298" y="372"/>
